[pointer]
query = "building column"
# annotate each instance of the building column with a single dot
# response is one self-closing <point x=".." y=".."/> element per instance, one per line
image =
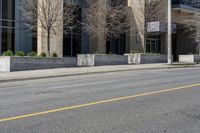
<point x="0" y="26"/>
<point x="98" y="43"/>
<point x="56" y="36"/>
<point x="137" y="30"/>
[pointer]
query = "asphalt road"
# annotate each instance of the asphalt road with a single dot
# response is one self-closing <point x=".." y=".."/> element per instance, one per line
<point x="142" y="101"/>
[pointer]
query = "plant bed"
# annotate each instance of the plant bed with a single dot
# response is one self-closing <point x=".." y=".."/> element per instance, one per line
<point x="13" y="63"/>
<point x="189" y="58"/>
<point x="142" y="58"/>
<point x="101" y="59"/>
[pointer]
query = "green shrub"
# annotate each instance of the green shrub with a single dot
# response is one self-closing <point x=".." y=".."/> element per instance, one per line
<point x="134" y="52"/>
<point x="110" y="53"/>
<point x="43" y="54"/>
<point x="20" y="53"/>
<point x="151" y="53"/>
<point x="32" y="54"/>
<point x="97" y="52"/>
<point x="54" y="55"/>
<point x="8" y="53"/>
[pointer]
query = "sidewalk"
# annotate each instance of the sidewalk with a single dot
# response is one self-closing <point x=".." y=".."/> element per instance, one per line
<point x="62" y="72"/>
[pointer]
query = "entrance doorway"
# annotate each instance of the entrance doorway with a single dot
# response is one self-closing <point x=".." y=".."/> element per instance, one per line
<point x="153" y="45"/>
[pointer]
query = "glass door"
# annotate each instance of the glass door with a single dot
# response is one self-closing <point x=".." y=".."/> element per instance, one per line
<point x="153" y="45"/>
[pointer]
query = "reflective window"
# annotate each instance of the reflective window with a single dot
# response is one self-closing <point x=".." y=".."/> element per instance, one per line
<point x="8" y="24"/>
<point x="72" y="38"/>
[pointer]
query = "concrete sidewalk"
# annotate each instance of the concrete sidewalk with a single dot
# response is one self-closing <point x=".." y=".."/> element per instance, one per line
<point x="62" y="72"/>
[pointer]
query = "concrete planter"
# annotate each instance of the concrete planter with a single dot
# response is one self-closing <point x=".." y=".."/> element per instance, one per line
<point x="101" y="59"/>
<point x="8" y="64"/>
<point x="146" y="58"/>
<point x="189" y="58"/>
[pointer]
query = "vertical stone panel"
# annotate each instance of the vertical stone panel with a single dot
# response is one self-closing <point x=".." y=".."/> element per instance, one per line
<point x="98" y="43"/>
<point x="137" y="29"/>
<point x="56" y="37"/>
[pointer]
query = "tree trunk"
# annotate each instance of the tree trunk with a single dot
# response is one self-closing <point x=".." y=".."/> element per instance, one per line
<point x="48" y="42"/>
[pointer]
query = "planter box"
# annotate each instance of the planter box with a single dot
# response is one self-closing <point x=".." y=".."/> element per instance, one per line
<point x="146" y="58"/>
<point x="8" y="64"/>
<point x="189" y="58"/>
<point x="101" y="59"/>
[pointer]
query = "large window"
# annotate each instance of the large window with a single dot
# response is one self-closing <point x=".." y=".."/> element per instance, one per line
<point x="116" y="45"/>
<point x="8" y="24"/>
<point x="72" y="39"/>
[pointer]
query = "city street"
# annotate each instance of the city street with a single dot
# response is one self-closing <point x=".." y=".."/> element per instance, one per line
<point x="136" y="101"/>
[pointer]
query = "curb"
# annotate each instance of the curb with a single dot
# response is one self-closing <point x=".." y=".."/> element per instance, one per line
<point x="89" y="73"/>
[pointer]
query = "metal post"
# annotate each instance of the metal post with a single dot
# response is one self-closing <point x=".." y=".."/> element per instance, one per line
<point x="169" y="36"/>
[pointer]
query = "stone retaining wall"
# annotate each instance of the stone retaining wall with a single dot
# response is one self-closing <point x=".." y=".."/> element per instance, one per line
<point x="146" y="58"/>
<point x="189" y="58"/>
<point x="101" y="59"/>
<point x="31" y="63"/>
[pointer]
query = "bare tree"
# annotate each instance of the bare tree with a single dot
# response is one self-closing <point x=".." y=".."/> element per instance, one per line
<point x="151" y="11"/>
<point x="106" y="17"/>
<point x="193" y="26"/>
<point x="47" y="14"/>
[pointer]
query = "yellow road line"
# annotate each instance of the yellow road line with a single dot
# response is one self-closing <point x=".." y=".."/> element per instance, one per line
<point x="96" y="103"/>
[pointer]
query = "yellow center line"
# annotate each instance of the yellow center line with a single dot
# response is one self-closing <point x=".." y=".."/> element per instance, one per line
<point x="96" y="103"/>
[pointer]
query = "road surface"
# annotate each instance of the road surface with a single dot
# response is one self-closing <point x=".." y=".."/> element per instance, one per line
<point x="142" y="101"/>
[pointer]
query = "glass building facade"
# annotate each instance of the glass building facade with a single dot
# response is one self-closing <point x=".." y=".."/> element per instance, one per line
<point x="13" y="33"/>
<point x="72" y="39"/>
<point x="7" y="25"/>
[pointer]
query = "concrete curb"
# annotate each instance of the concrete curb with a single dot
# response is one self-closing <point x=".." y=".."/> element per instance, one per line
<point x="87" y="73"/>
